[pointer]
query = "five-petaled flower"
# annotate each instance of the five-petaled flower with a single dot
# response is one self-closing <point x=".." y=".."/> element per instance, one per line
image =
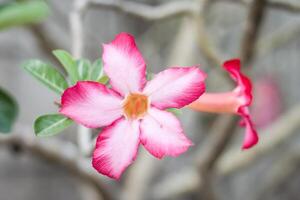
<point x="236" y="101"/>
<point x="132" y="111"/>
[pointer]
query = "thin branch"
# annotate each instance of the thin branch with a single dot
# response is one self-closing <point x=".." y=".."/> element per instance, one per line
<point x="280" y="37"/>
<point x="285" y="6"/>
<point x="253" y="24"/>
<point x="59" y="153"/>
<point x="286" y="165"/>
<point x="148" y="12"/>
<point x="220" y="135"/>
<point x="276" y="4"/>
<point x="84" y="136"/>
<point x="76" y="27"/>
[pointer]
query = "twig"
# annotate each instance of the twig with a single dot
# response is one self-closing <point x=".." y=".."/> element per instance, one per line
<point x="147" y="12"/>
<point x="285" y="127"/>
<point x="276" y="4"/>
<point x="252" y="28"/>
<point x="277" y="39"/>
<point x="59" y="153"/>
<point x="286" y="165"/>
<point x="285" y="6"/>
<point x="220" y="135"/>
<point x="140" y="176"/>
<point x="76" y="26"/>
<point x="206" y="44"/>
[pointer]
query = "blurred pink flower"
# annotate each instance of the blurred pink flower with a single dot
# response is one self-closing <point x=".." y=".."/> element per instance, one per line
<point x="132" y="112"/>
<point x="236" y="101"/>
<point x="267" y="105"/>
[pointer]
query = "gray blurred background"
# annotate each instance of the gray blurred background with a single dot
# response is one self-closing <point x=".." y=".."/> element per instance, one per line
<point x="268" y="171"/>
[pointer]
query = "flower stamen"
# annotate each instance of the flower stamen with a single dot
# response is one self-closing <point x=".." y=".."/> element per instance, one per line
<point x="135" y="105"/>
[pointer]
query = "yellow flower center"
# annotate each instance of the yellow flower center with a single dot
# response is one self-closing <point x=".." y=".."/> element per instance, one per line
<point x="135" y="105"/>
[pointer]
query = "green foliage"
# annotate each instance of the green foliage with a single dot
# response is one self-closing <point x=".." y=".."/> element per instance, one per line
<point x="69" y="63"/>
<point x="83" y="67"/>
<point x="97" y="73"/>
<point x="47" y="74"/>
<point x="97" y="70"/>
<point x="8" y="111"/>
<point x="15" y="14"/>
<point x="52" y="124"/>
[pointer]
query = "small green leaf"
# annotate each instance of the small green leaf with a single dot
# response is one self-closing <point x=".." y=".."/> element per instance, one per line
<point x="97" y="70"/>
<point x="47" y="74"/>
<point x="175" y="111"/>
<point x="104" y="79"/>
<point x="15" y="14"/>
<point x="52" y="124"/>
<point x="68" y="63"/>
<point x="8" y="111"/>
<point x="83" y="67"/>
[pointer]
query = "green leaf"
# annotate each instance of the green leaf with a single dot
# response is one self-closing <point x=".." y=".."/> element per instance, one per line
<point x="52" y="124"/>
<point x="68" y="63"/>
<point x="83" y="67"/>
<point x="104" y="79"/>
<point x="8" y="111"/>
<point x="15" y="14"/>
<point x="175" y="111"/>
<point x="47" y="74"/>
<point x="97" y="70"/>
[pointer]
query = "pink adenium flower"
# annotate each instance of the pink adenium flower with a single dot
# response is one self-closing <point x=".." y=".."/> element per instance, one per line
<point x="236" y="101"/>
<point x="133" y="110"/>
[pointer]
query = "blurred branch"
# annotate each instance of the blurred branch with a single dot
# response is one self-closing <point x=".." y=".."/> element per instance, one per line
<point x="76" y="26"/>
<point x="84" y="136"/>
<point x="57" y="152"/>
<point x="277" y="39"/>
<point x="148" y="12"/>
<point x="279" y="174"/>
<point x="219" y="137"/>
<point x="205" y="43"/>
<point x="284" y="5"/>
<point x="253" y="24"/>
<point x="285" y="127"/>
<point x="276" y="4"/>
<point x="137" y="181"/>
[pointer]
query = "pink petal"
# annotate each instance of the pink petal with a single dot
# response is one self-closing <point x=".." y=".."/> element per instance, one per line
<point x="176" y="87"/>
<point x="124" y="64"/>
<point x="244" y="86"/>
<point x="243" y="92"/>
<point x="162" y="134"/>
<point x="251" y="137"/>
<point x="116" y="148"/>
<point x="91" y="104"/>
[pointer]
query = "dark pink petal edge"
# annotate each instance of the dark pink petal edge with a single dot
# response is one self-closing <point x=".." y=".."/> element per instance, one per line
<point x="244" y="90"/>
